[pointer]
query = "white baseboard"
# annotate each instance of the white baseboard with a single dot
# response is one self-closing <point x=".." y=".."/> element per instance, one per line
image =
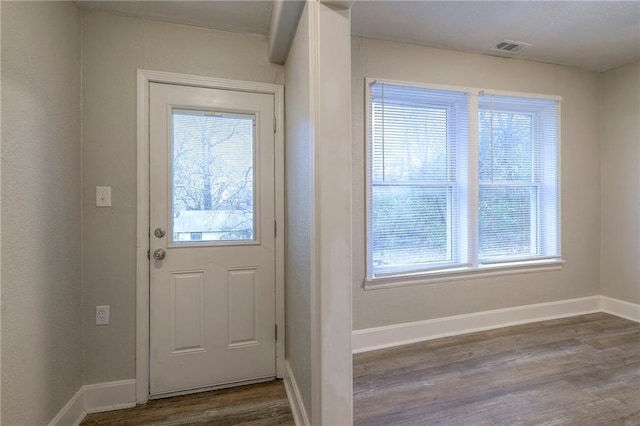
<point x="620" y="308"/>
<point x="295" y="400"/>
<point x="72" y="413"/>
<point x="110" y="396"/>
<point x="122" y="394"/>
<point x="94" y="399"/>
<point x="401" y="334"/>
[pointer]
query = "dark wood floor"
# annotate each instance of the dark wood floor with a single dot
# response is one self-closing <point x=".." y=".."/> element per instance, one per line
<point x="582" y="371"/>
<point x="256" y="405"/>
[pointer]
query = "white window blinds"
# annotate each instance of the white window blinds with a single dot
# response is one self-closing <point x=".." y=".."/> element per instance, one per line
<point x="417" y="169"/>
<point x="518" y="201"/>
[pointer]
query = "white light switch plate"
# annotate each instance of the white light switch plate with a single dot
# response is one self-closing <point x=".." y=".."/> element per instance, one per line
<point x="103" y="196"/>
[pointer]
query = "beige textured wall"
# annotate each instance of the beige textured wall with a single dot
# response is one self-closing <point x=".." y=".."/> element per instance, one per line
<point x="580" y="182"/>
<point x="113" y="48"/>
<point x="41" y="294"/>
<point x="620" y="168"/>
<point x="300" y="188"/>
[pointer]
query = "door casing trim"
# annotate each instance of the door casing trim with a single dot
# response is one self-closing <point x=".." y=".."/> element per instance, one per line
<point x="145" y="77"/>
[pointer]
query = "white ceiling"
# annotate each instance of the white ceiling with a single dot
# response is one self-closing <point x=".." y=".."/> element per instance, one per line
<point x="593" y="35"/>
<point x="249" y="17"/>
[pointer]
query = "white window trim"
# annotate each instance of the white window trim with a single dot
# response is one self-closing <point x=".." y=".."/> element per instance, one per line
<point x="473" y="269"/>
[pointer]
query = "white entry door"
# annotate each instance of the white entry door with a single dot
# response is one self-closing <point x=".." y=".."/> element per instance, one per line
<point x="212" y="242"/>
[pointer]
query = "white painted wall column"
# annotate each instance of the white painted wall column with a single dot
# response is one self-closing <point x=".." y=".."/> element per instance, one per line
<point x="331" y="330"/>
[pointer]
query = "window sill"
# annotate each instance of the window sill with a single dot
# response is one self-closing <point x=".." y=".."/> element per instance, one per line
<point x="485" y="271"/>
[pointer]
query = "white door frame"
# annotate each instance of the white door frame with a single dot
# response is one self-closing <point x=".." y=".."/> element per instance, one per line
<point x="142" y="227"/>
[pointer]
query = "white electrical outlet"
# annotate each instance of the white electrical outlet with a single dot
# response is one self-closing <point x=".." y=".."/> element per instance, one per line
<point x="102" y="315"/>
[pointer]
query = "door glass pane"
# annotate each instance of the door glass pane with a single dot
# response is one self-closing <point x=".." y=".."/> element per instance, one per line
<point x="213" y="176"/>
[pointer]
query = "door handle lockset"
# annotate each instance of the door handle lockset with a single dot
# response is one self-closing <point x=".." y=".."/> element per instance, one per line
<point x="159" y="232"/>
<point x="159" y="254"/>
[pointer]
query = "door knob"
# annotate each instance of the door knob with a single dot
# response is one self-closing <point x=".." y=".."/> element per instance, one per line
<point x="159" y="254"/>
<point x="159" y="232"/>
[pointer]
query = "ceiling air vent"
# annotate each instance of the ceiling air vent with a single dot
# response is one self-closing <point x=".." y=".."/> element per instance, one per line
<point x="510" y="47"/>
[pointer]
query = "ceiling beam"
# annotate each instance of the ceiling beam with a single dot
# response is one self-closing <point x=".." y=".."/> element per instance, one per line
<point x="284" y="22"/>
<point x="339" y="4"/>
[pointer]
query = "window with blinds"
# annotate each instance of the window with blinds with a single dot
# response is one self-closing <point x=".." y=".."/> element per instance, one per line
<point x="518" y="179"/>
<point x="429" y="209"/>
<point x="417" y="170"/>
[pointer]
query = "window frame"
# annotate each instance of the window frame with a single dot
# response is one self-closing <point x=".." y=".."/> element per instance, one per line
<point x="471" y="268"/>
<point x="450" y="186"/>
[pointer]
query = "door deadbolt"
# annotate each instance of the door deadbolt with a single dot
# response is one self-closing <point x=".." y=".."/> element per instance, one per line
<point x="159" y="232"/>
<point x="159" y="254"/>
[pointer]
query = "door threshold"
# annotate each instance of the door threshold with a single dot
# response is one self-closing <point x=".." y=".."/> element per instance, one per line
<point x="213" y="387"/>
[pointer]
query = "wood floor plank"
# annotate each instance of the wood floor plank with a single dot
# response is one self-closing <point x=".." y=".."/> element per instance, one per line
<point x="263" y="404"/>
<point x="582" y="370"/>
